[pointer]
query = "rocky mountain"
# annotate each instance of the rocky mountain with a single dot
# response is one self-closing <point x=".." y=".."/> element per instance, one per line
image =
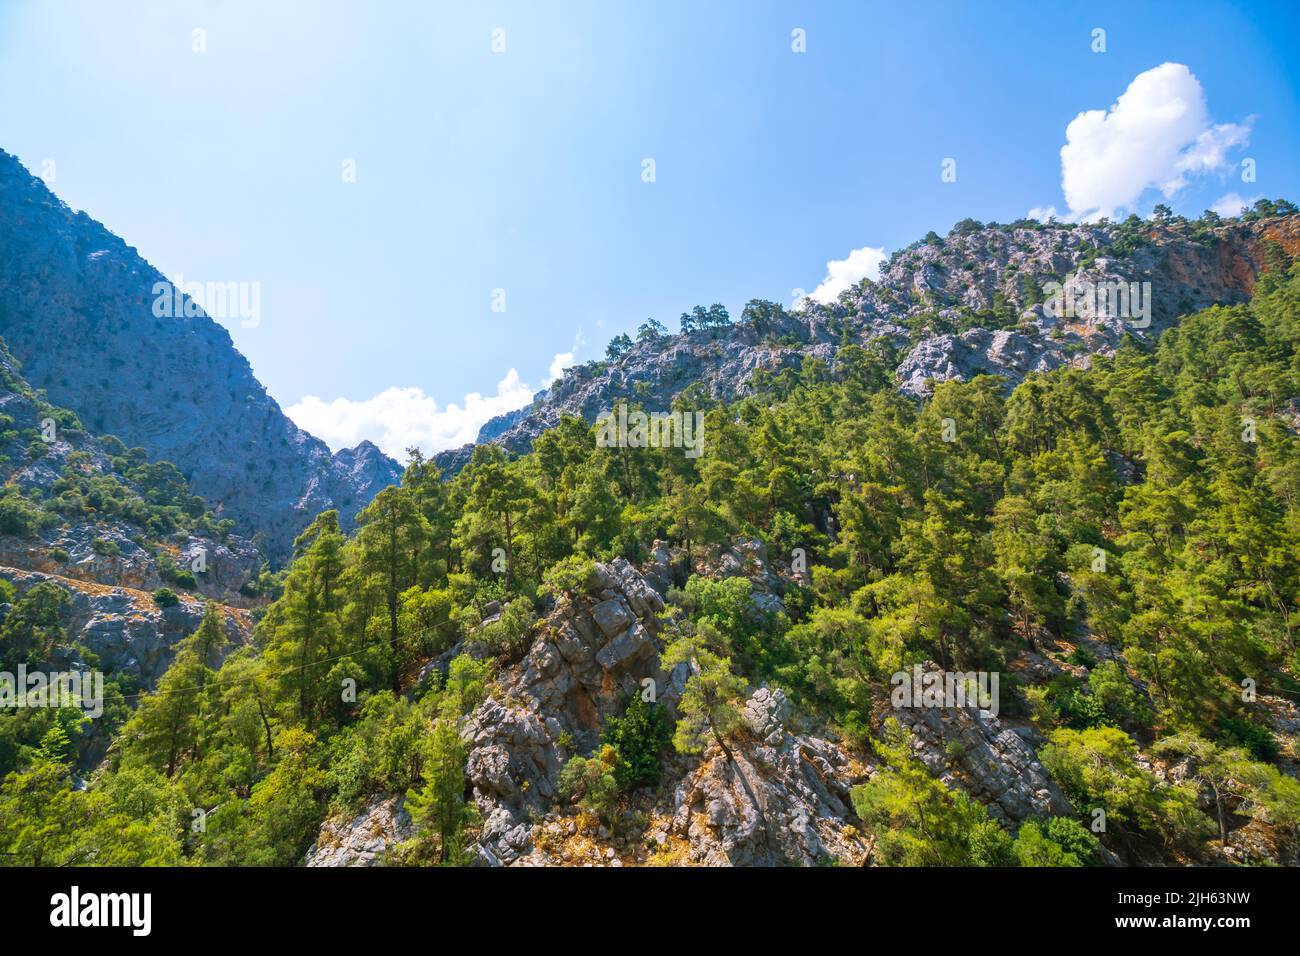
<point x="979" y="300"/>
<point x="109" y="527"/>
<point x="109" y="550"/>
<point x="113" y="552"/>
<point x="77" y="308"/>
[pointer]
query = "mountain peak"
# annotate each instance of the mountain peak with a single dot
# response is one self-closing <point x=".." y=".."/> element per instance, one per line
<point x="189" y="397"/>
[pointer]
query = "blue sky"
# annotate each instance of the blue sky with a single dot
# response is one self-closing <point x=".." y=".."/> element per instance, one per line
<point x="523" y="170"/>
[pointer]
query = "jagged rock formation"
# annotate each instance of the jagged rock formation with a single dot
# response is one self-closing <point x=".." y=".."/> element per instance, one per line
<point x="124" y="628"/>
<point x="595" y="652"/>
<point x="364" y="838"/>
<point x="76" y="308"/>
<point x="993" y="761"/>
<point x="783" y="800"/>
<point x="949" y="308"/>
<point x="229" y="564"/>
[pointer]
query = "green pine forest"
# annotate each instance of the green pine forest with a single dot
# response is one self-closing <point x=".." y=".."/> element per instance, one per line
<point x="1148" y="506"/>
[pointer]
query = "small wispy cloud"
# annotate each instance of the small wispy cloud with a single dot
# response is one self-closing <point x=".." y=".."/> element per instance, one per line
<point x="1231" y="204"/>
<point x="565" y="360"/>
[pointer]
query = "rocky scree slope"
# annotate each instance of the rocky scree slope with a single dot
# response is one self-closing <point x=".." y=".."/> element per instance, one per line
<point x="76" y="308"/>
<point x="944" y="308"/>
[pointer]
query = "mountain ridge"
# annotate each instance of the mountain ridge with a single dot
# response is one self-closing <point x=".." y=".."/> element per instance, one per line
<point x="189" y="397"/>
<point x="943" y="308"/>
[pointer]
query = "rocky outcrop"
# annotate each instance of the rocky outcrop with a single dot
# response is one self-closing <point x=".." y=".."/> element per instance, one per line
<point x="125" y="630"/>
<point x="947" y="308"/>
<point x="363" y="838"/>
<point x="783" y="800"/>
<point x="219" y="568"/>
<point x="107" y="553"/>
<point x="996" y="763"/>
<point x="172" y="385"/>
<point x="595" y="651"/>
<point x="981" y="352"/>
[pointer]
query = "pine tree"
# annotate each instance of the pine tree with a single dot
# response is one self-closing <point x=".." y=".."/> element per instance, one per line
<point x="438" y="807"/>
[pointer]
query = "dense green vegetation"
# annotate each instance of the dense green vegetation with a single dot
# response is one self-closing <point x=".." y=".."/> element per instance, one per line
<point x="1143" y="514"/>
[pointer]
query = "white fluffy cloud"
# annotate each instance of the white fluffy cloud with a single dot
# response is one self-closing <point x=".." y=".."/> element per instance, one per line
<point x="1157" y="134"/>
<point x="400" y="418"/>
<point x="843" y="274"/>
<point x="1231" y="205"/>
<point x="565" y="360"/>
<point x="561" y="361"/>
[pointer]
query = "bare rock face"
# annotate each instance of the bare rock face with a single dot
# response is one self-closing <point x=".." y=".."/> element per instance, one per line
<point x="76" y="308"/>
<point x="972" y="750"/>
<point x="125" y="629"/>
<point x="226" y="566"/>
<point x="783" y="800"/>
<point x="594" y="653"/>
<point x="981" y="352"/>
<point x="362" y="839"/>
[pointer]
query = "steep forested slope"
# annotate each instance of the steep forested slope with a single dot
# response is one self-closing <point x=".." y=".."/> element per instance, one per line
<point x="106" y="562"/>
<point x="626" y="655"/>
<point x="947" y="307"/>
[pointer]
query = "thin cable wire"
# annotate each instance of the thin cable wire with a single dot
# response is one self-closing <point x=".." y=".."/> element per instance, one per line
<point x="289" y="670"/>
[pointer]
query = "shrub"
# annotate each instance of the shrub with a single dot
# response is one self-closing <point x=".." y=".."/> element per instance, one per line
<point x="103" y="546"/>
<point x="169" y="572"/>
<point x="1061" y="841"/>
<point x="18" y="516"/>
<point x="186" y="580"/>
<point x="990" y="845"/>
<point x="1256" y="739"/>
<point x="165" y="597"/>
<point x="574" y="575"/>
<point x="509" y="633"/>
<point x="592" y="782"/>
<point x="1121" y="702"/>
<point x="639" y="736"/>
<point x="1072" y="705"/>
